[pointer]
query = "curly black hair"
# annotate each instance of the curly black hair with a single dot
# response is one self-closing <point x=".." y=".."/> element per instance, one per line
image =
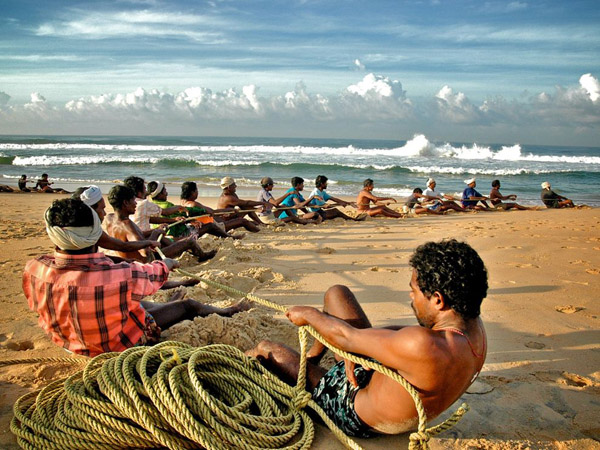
<point x="454" y="270"/>
<point x="69" y="212"/>
<point x="320" y="180"/>
<point x="297" y="181"/>
<point x="495" y="183"/>
<point x="135" y="183"/>
<point x="187" y="189"/>
<point x="119" y="195"/>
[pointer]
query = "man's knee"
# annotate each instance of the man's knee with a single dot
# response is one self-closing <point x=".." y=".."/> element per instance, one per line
<point x="336" y="292"/>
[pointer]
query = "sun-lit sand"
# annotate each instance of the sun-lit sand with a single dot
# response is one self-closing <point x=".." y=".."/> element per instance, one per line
<point x="540" y="386"/>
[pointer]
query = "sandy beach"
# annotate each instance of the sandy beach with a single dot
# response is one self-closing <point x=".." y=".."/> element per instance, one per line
<point x="539" y="388"/>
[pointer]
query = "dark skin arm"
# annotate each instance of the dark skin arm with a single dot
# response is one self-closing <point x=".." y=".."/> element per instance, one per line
<point x="111" y="243"/>
<point x="405" y="350"/>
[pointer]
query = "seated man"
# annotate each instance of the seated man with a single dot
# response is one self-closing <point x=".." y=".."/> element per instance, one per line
<point x="90" y="305"/>
<point x="447" y="201"/>
<point x="440" y="357"/>
<point x="471" y="198"/>
<point x="159" y="195"/>
<point x="22" y="183"/>
<point x="320" y="199"/>
<point x="214" y="225"/>
<point x="92" y="196"/>
<point x="414" y="205"/>
<point x="120" y="226"/>
<point x="497" y="198"/>
<point x="552" y="200"/>
<point x="146" y="212"/>
<point x="229" y="199"/>
<point x="268" y="216"/>
<point x="365" y="197"/>
<point x="43" y="185"/>
<point x="295" y="201"/>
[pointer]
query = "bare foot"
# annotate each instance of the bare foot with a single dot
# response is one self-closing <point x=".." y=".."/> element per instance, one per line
<point x="203" y="256"/>
<point x="177" y="295"/>
<point x="360" y="217"/>
<point x="242" y="305"/>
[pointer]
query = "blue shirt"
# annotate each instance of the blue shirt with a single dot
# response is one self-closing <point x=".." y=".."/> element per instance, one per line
<point x="470" y="192"/>
<point x="315" y="201"/>
<point x="289" y="201"/>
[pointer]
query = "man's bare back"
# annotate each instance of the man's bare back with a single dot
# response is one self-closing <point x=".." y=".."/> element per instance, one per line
<point x="440" y="357"/>
<point x="127" y="231"/>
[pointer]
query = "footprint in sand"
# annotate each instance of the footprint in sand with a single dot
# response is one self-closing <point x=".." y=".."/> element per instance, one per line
<point x="19" y="345"/>
<point x="593" y="271"/>
<point x="535" y="345"/>
<point x="326" y="250"/>
<point x="568" y="309"/>
<point x="525" y="266"/>
<point x="578" y="261"/>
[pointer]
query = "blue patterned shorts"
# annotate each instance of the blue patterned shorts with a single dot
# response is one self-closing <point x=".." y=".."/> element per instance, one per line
<point x="335" y="395"/>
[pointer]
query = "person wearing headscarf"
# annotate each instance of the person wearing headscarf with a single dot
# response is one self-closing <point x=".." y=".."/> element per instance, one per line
<point x="88" y="304"/>
<point x="471" y="198"/>
<point x="552" y="200"/>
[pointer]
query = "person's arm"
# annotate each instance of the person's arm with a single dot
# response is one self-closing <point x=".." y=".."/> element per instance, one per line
<point x="277" y="201"/>
<point x="172" y="210"/>
<point x="111" y="243"/>
<point x="339" y="201"/>
<point x="404" y="349"/>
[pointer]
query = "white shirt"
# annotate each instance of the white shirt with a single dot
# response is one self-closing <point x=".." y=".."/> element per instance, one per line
<point x="143" y="211"/>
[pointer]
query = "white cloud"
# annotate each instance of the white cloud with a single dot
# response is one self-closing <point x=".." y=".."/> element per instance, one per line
<point x="516" y="6"/>
<point x="359" y="65"/>
<point x="98" y="25"/>
<point x="455" y="107"/>
<point x="40" y="58"/>
<point x="373" y="103"/>
<point x="591" y="86"/>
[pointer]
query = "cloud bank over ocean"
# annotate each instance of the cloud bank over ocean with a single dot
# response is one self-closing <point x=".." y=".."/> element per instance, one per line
<point x="374" y="106"/>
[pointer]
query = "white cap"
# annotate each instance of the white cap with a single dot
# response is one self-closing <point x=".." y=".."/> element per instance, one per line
<point x="159" y="188"/>
<point x="431" y="180"/>
<point x="545" y="185"/>
<point x="226" y="182"/>
<point x="91" y="195"/>
<point x="470" y="180"/>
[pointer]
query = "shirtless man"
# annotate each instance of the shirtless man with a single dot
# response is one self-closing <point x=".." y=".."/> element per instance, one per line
<point x="440" y="357"/>
<point x="43" y="185"/>
<point x="496" y="198"/>
<point x="120" y="226"/>
<point x="229" y="199"/>
<point x="365" y="197"/>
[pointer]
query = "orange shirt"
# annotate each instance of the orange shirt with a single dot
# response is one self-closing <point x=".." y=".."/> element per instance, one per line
<point x="88" y="304"/>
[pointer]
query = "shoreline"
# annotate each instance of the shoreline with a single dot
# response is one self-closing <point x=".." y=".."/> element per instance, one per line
<point x="541" y="380"/>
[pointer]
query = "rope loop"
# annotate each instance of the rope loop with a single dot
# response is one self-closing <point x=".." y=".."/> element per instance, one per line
<point x="301" y="399"/>
<point x="419" y="439"/>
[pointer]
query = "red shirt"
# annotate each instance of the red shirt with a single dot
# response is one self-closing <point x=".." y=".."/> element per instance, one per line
<point x="88" y="304"/>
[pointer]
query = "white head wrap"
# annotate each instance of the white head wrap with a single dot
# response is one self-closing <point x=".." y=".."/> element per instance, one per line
<point x="545" y="185"/>
<point x="470" y="180"/>
<point x="74" y="238"/>
<point x="159" y="188"/>
<point x="91" y="195"/>
<point x="431" y="180"/>
<point x="226" y="182"/>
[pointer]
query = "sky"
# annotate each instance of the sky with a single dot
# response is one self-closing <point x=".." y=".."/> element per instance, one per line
<point x="461" y="71"/>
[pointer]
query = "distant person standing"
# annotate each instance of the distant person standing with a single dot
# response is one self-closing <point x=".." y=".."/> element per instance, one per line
<point x="552" y="200"/>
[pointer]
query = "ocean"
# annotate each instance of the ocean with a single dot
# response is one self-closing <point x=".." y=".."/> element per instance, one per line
<point x="397" y="167"/>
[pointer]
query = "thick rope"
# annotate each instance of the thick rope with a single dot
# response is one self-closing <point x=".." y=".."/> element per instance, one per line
<point x="418" y="439"/>
<point x="165" y="395"/>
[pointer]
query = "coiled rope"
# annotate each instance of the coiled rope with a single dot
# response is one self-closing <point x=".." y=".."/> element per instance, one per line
<point x="177" y="396"/>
